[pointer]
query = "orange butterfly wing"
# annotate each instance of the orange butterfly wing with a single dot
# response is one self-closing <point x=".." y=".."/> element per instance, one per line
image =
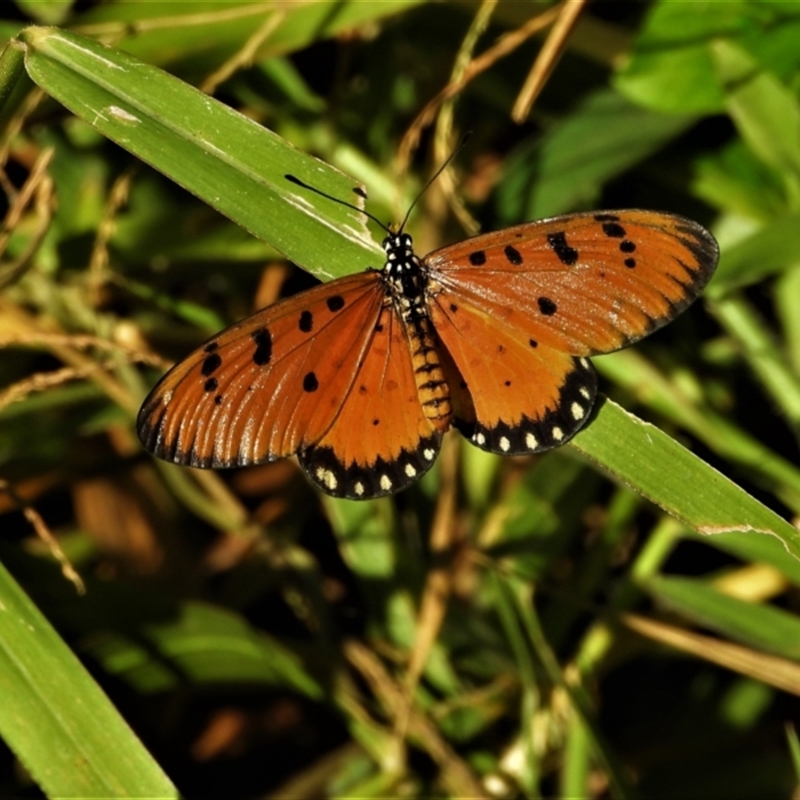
<point x="327" y="375"/>
<point x="518" y="309"/>
<point x="510" y="397"/>
<point x="381" y="441"/>
<point x="330" y="374"/>
<point x="267" y="386"/>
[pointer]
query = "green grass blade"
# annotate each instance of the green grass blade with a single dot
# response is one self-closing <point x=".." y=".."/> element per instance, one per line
<point x="757" y="625"/>
<point x="14" y="84"/>
<point x="54" y="717"/>
<point x="630" y="370"/>
<point x="199" y="645"/>
<point x="650" y="462"/>
<point x="226" y="159"/>
<point x="195" y="33"/>
<point x="794" y="749"/>
<point x="772" y="249"/>
<point x="758" y="549"/>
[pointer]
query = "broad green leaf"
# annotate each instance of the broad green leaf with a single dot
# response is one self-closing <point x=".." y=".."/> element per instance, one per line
<point x="648" y="461"/>
<point x="364" y="532"/>
<point x="669" y="23"/>
<point x="673" y="81"/>
<point x="775" y="48"/>
<point x="203" y="645"/>
<point x="734" y="180"/>
<point x="229" y="161"/>
<point x="567" y="167"/>
<point x="774" y="248"/>
<point x="671" y="68"/>
<point x="766" y="113"/>
<point x="55" y="718"/>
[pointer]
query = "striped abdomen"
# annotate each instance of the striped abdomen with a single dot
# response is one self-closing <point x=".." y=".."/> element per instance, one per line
<point x="434" y="392"/>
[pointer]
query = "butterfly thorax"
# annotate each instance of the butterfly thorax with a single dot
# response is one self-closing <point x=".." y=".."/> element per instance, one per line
<point x="405" y="282"/>
<point x="403" y="276"/>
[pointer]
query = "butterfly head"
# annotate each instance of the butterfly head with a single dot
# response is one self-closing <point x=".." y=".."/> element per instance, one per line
<point x="400" y="256"/>
<point x="398" y="247"/>
<point x="402" y="272"/>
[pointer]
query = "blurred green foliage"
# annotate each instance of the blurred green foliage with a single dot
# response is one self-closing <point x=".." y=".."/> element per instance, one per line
<point x="243" y="636"/>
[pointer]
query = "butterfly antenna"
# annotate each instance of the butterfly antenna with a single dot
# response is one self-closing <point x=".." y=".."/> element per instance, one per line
<point x="295" y="180"/>
<point x="298" y="182"/>
<point x="445" y="164"/>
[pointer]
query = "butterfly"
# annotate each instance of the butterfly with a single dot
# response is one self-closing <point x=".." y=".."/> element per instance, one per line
<point x="361" y="377"/>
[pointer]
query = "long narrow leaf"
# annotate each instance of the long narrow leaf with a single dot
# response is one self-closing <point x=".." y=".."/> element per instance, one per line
<point x="226" y="159"/>
<point x="690" y="489"/>
<point x="56" y="719"/>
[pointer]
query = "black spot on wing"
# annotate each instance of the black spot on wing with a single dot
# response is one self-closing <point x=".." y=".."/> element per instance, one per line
<point x="477" y="259"/>
<point x="306" y="321"/>
<point x="310" y="382"/>
<point x="211" y="347"/>
<point x="211" y="363"/>
<point x="627" y="246"/>
<point x="547" y="306"/>
<point x="263" y="342"/>
<point x="335" y="303"/>
<point x="558" y="242"/>
<point x="513" y="255"/>
<point x="613" y="229"/>
<point x="211" y="385"/>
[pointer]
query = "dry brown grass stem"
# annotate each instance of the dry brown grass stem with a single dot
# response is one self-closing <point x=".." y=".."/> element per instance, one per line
<point x="247" y="54"/>
<point x="772" y="670"/>
<point x="548" y="57"/>
<point x="504" y="46"/>
<point x="46" y="535"/>
<point x="456" y="775"/>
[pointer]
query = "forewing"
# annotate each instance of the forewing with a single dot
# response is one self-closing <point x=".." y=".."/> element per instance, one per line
<point x="381" y="441"/>
<point x="269" y="385"/>
<point x="581" y="284"/>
